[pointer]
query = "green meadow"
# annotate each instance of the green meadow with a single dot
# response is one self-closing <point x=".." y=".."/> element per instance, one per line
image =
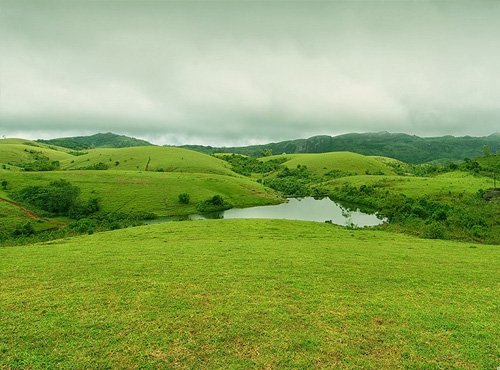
<point x="14" y="151"/>
<point x="157" y="192"/>
<point x="249" y="294"/>
<point x="347" y="162"/>
<point x="445" y="184"/>
<point x="150" y="158"/>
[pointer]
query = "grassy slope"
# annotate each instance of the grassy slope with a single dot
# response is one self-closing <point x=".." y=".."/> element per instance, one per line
<point x="243" y="294"/>
<point x="150" y="191"/>
<point x="17" y="150"/>
<point x="10" y="217"/>
<point x="342" y="161"/>
<point x="453" y="182"/>
<point x="167" y="158"/>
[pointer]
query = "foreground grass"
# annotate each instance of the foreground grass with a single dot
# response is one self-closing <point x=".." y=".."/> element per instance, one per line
<point x="249" y="293"/>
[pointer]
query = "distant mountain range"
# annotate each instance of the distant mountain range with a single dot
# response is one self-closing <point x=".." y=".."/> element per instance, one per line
<point x="107" y="140"/>
<point x="407" y="148"/>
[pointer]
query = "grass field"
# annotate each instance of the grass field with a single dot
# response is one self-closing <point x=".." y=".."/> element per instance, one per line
<point x="19" y="150"/>
<point x="168" y="159"/>
<point x="453" y="182"/>
<point x="249" y="294"/>
<point x="348" y="162"/>
<point x="156" y="192"/>
<point x="10" y="217"/>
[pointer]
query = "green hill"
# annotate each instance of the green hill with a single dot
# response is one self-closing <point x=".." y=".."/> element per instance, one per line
<point x="249" y="294"/>
<point x="16" y="151"/>
<point x="132" y="191"/>
<point x="107" y="140"/>
<point x="342" y="162"/>
<point x="406" y="148"/>
<point x="449" y="184"/>
<point x="150" y="158"/>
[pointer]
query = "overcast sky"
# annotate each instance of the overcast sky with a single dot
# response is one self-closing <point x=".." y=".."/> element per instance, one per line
<point x="236" y="72"/>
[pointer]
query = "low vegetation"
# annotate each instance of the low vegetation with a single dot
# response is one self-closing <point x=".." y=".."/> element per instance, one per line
<point x="78" y="292"/>
<point x="249" y="293"/>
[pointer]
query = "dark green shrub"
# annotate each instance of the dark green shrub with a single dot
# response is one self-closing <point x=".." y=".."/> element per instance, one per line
<point x="58" y="197"/>
<point x="26" y="229"/>
<point x="213" y="204"/>
<point x="80" y="209"/>
<point x="184" y="198"/>
<point x="434" y="231"/>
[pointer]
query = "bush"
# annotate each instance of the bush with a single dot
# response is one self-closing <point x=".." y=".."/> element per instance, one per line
<point x="434" y="231"/>
<point x="24" y="230"/>
<point x="184" y="198"/>
<point x="80" y="209"/>
<point x="214" y="204"/>
<point x="58" y="197"/>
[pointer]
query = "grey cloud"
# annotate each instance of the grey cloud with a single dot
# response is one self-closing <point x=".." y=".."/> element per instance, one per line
<point x="235" y="73"/>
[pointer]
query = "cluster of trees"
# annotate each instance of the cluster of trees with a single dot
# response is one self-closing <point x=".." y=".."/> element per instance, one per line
<point x="470" y="218"/>
<point x="100" y="166"/>
<point x="247" y="165"/>
<point x="291" y="182"/>
<point x="59" y="198"/>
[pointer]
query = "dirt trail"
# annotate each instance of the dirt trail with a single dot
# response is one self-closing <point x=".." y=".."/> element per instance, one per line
<point x="26" y="211"/>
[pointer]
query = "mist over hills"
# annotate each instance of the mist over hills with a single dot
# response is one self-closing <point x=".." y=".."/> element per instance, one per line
<point x="404" y="147"/>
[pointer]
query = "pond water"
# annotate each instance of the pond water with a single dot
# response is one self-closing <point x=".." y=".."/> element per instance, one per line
<point x="306" y="209"/>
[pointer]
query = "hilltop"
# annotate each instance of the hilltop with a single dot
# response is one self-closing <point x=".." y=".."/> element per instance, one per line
<point x="404" y="147"/>
<point x="106" y="140"/>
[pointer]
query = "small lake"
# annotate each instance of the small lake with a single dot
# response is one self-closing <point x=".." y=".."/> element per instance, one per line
<point x="305" y="209"/>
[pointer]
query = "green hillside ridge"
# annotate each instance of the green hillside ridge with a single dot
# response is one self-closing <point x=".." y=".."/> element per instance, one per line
<point x="133" y="191"/>
<point x="101" y="140"/>
<point x="249" y="294"/>
<point x="406" y="148"/>
<point x="15" y="151"/>
<point x="151" y="158"/>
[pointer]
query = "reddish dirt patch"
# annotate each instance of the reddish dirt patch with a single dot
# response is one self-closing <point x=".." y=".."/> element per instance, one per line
<point x="24" y="210"/>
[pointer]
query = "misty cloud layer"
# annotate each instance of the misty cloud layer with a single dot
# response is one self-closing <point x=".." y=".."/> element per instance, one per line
<point x="246" y="72"/>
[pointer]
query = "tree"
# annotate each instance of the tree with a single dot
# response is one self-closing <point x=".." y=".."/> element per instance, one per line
<point x="267" y="152"/>
<point x="217" y="200"/>
<point x="486" y="150"/>
<point x="58" y="197"/>
<point x="4" y="184"/>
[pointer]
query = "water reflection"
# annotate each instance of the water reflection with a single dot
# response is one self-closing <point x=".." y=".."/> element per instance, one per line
<point x="305" y="209"/>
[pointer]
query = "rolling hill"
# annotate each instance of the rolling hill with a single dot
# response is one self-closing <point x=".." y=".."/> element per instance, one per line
<point x="16" y="151"/>
<point x="150" y="158"/>
<point x="342" y="162"/>
<point x="156" y="192"/>
<point x="101" y="140"/>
